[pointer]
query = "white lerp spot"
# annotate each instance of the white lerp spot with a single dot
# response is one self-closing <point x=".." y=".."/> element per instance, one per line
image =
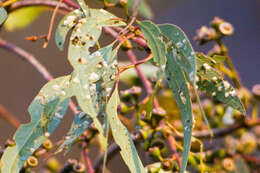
<point x="70" y="21"/>
<point x="56" y="87"/>
<point x="226" y="84"/>
<point x="93" y="76"/>
<point x="76" y="80"/>
<point x="47" y="134"/>
<point x="206" y="66"/>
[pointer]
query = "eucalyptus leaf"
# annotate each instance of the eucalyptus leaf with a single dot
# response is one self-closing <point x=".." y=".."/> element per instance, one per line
<point x="154" y="38"/>
<point x="46" y="110"/>
<point x="65" y="25"/>
<point x="122" y="137"/>
<point x="80" y="123"/>
<point x="22" y="17"/>
<point x="178" y="84"/>
<point x="89" y="68"/>
<point x="3" y="15"/>
<point x="185" y="54"/>
<point x="144" y="9"/>
<point x="210" y="81"/>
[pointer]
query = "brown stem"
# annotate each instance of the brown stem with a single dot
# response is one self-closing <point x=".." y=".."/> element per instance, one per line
<point x="46" y="3"/>
<point x="171" y="141"/>
<point x="51" y="24"/>
<point x="33" y="61"/>
<point x="10" y="118"/>
<point x="87" y="160"/>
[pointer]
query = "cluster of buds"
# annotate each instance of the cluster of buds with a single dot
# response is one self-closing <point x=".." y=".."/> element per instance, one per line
<point x="73" y="166"/>
<point x="218" y="29"/>
<point x="131" y="95"/>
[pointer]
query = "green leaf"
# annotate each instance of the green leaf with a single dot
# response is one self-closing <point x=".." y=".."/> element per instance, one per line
<point x="67" y="22"/>
<point x="185" y="53"/>
<point x="88" y="68"/>
<point x="149" y="106"/>
<point x="90" y="81"/>
<point x="22" y="17"/>
<point x="177" y="83"/>
<point x="122" y="137"/>
<point x="91" y="87"/>
<point x="154" y="40"/>
<point x="3" y="15"/>
<point x="47" y="110"/>
<point x="144" y="9"/>
<point x="210" y="81"/>
<point x="81" y="122"/>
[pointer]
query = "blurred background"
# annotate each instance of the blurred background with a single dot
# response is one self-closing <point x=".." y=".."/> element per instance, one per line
<point x="20" y="82"/>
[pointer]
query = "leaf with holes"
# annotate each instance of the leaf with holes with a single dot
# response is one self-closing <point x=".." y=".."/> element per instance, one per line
<point x="46" y="110"/>
<point x="177" y="83"/>
<point x="90" y="70"/>
<point x="185" y="54"/>
<point x="122" y="137"/>
<point x="80" y="123"/>
<point x="65" y="25"/>
<point x="210" y="81"/>
<point x="154" y="38"/>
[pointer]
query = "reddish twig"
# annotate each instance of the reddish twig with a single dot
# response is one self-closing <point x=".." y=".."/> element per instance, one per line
<point x="10" y="118"/>
<point x="87" y="160"/>
<point x="123" y="68"/>
<point x="171" y="141"/>
<point x="46" y="3"/>
<point x="132" y="58"/>
<point x="51" y="24"/>
<point x="33" y="61"/>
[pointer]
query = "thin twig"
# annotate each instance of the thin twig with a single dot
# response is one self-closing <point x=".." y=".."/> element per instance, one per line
<point x="87" y="160"/>
<point x="51" y="24"/>
<point x="171" y="141"/>
<point x="34" y="62"/>
<point x="46" y="3"/>
<point x="132" y="58"/>
<point x="27" y="57"/>
<point x="10" y="118"/>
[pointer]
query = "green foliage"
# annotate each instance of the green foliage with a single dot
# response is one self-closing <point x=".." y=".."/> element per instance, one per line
<point x="3" y="15"/>
<point x="153" y="36"/>
<point x="144" y="9"/>
<point x="46" y="110"/>
<point x="210" y="81"/>
<point x="94" y="84"/>
<point x="122" y="136"/>
<point x="22" y="17"/>
<point x="177" y="82"/>
<point x="81" y="122"/>
<point x="185" y="56"/>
